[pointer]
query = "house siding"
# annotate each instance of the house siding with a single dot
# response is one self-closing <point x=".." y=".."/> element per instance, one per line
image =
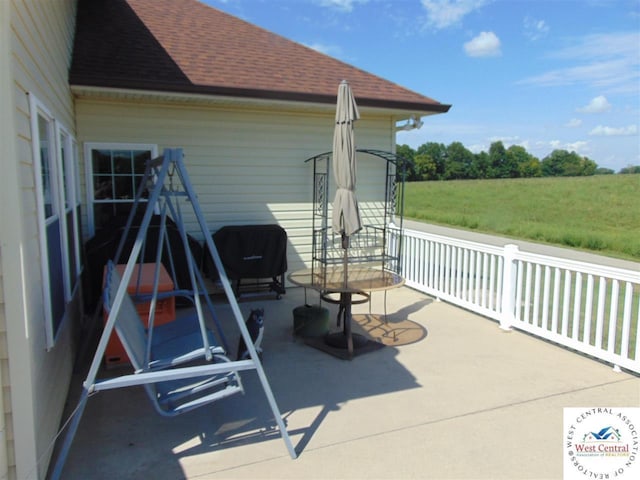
<point x="37" y="39"/>
<point x="247" y="166"/>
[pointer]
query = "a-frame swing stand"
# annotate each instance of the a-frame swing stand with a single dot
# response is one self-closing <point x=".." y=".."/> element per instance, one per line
<point x="179" y="364"/>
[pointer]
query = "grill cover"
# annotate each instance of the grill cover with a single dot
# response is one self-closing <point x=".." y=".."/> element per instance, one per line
<point x="251" y="251"/>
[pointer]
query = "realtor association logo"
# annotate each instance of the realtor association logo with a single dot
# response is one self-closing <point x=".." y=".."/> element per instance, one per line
<point x="601" y="443"/>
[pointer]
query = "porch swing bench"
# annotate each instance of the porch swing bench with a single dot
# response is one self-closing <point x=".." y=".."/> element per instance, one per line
<point x="179" y="363"/>
<point x="178" y="371"/>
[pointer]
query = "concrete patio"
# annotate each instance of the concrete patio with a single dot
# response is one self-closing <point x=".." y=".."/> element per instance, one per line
<point x="453" y="397"/>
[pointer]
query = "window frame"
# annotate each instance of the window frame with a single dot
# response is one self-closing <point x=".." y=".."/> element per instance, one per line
<point x="61" y="173"/>
<point x="89" y="147"/>
<point x="70" y="201"/>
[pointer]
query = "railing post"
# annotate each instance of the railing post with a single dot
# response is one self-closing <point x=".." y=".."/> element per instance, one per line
<point x="507" y="316"/>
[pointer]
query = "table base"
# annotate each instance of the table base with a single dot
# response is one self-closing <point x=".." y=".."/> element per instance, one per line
<point x="336" y="345"/>
<point x="340" y="340"/>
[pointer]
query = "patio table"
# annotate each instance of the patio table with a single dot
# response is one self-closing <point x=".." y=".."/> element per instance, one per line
<point x="345" y="289"/>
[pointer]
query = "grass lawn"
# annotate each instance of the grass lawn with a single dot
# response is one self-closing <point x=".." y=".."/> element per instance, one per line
<point x="598" y="213"/>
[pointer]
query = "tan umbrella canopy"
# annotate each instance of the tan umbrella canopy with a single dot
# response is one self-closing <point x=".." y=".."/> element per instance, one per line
<point x="346" y="216"/>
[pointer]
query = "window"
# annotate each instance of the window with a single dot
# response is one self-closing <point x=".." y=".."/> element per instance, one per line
<point x="114" y="172"/>
<point x="68" y="162"/>
<point x="58" y="212"/>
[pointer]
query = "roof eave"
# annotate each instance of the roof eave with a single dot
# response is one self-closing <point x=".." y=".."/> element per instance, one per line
<point x="210" y="92"/>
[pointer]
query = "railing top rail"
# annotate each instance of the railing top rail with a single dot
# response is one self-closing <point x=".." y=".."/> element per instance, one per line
<point x="480" y="247"/>
<point x="582" y="267"/>
<point x="625" y="275"/>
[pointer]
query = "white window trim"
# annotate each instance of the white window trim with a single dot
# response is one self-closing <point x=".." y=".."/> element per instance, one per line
<point x="88" y="147"/>
<point x="38" y="109"/>
<point x="56" y="132"/>
<point x="70" y="164"/>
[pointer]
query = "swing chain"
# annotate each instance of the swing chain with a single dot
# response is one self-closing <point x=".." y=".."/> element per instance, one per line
<point x="170" y="173"/>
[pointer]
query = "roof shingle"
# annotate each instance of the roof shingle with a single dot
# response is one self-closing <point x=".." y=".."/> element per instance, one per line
<point x="187" y="46"/>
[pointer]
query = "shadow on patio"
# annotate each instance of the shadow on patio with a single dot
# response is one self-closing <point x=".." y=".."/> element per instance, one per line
<point x="455" y="398"/>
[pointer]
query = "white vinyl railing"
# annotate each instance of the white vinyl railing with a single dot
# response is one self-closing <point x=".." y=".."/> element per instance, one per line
<point x="590" y="308"/>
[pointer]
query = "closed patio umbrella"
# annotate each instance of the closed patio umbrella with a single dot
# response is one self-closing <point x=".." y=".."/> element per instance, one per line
<point x="346" y="216"/>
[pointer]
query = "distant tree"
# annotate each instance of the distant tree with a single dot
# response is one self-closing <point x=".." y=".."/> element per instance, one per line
<point x="459" y="161"/>
<point x="521" y="163"/>
<point x="589" y="167"/>
<point x="408" y="153"/>
<point x="499" y="162"/>
<point x="553" y="165"/>
<point x="425" y="167"/>
<point x="630" y="169"/>
<point x="437" y="152"/>
<point x="481" y="165"/>
<point x="604" y="171"/>
<point x="434" y="161"/>
<point x="561" y="163"/>
<point x="532" y="168"/>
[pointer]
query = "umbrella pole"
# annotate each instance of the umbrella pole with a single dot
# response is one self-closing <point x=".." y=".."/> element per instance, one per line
<point x="346" y="297"/>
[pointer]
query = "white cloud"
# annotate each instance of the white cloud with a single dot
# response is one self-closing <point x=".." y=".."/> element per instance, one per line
<point x="580" y="146"/>
<point x="509" y="141"/>
<point x="331" y="50"/>
<point x="477" y="148"/>
<point x="343" y="5"/>
<point x="487" y="44"/>
<point x="535" y="29"/>
<point x="505" y="139"/>
<point x="598" y="104"/>
<point x="573" y="123"/>
<point x="614" y="132"/>
<point x="608" y="61"/>
<point x="444" y="13"/>
<point x="526" y="144"/>
<point x="600" y="45"/>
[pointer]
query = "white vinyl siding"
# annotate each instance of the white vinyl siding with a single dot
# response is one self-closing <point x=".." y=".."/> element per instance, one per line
<point x="38" y="37"/>
<point x="247" y="166"/>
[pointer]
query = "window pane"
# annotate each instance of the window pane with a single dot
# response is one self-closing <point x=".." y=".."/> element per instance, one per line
<point x="65" y="177"/>
<point x="124" y="187"/>
<point x="45" y="163"/>
<point x="101" y="161"/>
<point x="137" y="179"/>
<point x="102" y="187"/>
<point x="79" y="229"/>
<point x="56" y="275"/>
<point x="71" y="251"/>
<point x="141" y="157"/>
<point x="122" y="162"/>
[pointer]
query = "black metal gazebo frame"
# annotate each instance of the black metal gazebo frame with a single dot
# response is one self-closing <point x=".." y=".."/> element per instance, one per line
<point x="379" y="243"/>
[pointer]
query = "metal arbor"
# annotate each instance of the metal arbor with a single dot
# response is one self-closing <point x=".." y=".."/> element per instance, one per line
<point x="379" y="243"/>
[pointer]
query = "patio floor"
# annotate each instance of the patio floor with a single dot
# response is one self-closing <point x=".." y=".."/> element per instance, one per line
<point x="453" y="397"/>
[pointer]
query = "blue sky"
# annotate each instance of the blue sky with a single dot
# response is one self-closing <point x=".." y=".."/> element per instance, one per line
<point x="544" y="74"/>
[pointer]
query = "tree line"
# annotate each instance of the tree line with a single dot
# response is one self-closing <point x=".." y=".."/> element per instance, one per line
<point x="435" y="161"/>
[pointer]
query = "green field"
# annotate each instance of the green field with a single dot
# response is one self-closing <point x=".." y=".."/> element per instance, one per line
<point x="597" y="213"/>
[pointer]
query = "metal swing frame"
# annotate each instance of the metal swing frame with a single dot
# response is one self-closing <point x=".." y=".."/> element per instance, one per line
<point x="119" y="304"/>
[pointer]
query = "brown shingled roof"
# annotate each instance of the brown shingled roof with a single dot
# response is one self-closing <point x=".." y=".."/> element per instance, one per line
<point x="186" y="46"/>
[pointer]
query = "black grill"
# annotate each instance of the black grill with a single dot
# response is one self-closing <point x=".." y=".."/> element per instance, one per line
<point x="251" y="252"/>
